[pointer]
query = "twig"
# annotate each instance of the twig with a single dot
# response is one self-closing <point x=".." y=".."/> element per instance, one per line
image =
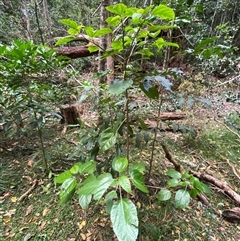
<point x="235" y="133"/>
<point x="34" y="183"/>
<point x="233" y="169"/>
<point x="228" y="81"/>
<point x="169" y="157"/>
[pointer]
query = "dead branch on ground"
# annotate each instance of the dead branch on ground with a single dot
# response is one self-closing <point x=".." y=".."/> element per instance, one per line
<point x="223" y="186"/>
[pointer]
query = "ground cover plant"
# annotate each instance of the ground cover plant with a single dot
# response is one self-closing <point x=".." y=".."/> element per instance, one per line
<point x="121" y="161"/>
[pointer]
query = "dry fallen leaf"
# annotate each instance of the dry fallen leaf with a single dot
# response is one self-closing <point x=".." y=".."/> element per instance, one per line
<point x="45" y="212"/>
<point x="82" y="224"/>
<point x="83" y="236"/>
<point x="14" y="199"/>
<point x="29" y="210"/>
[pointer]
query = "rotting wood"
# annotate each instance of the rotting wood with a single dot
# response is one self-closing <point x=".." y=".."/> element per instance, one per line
<point x="232" y="215"/>
<point x="34" y="184"/>
<point x="71" y="113"/>
<point x="75" y="52"/>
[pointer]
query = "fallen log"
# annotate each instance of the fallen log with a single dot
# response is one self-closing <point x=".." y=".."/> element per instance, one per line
<point x="232" y="215"/>
<point x="75" y="52"/>
<point x="224" y="187"/>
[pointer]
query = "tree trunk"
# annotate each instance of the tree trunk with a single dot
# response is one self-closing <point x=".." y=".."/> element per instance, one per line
<point x="71" y="113"/>
<point x="48" y="22"/>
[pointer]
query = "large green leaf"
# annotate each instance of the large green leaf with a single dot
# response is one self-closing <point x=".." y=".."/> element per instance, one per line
<point x="125" y="183"/>
<point x="160" y="42"/>
<point x="163" y="12"/>
<point x="88" y="167"/>
<point x="139" y="166"/>
<point x="63" y="176"/>
<point x="84" y="200"/>
<point x="90" y="31"/>
<point x="104" y="181"/>
<point x="70" y="23"/>
<point x="107" y="139"/>
<point x="67" y="190"/>
<point x="164" y="195"/>
<point x="138" y="181"/>
<point x="182" y="198"/>
<point x="109" y="200"/>
<point x="64" y="40"/>
<point x="150" y="91"/>
<point x="118" y="9"/>
<point x="90" y="185"/>
<point x="125" y="220"/>
<point x="93" y="48"/>
<point x="173" y="182"/>
<point x="102" y="31"/>
<point x="120" y="164"/>
<point x="113" y="20"/>
<point x="174" y="174"/>
<point x="118" y="86"/>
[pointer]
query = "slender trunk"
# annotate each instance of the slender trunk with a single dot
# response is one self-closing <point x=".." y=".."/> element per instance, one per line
<point x="26" y="21"/>
<point x="48" y="22"/>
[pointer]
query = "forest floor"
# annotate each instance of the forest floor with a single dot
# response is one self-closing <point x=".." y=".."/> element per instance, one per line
<point x="29" y="208"/>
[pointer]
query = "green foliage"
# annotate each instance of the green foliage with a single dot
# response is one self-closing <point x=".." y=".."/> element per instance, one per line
<point x="26" y="94"/>
<point x="192" y="187"/>
<point x="111" y="181"/>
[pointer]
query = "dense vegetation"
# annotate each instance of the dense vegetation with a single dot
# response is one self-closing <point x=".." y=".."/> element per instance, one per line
<point x="154" y="128"/>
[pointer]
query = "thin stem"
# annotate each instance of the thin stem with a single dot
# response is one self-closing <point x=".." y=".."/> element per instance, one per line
<point x="127" y="121"/>
<point x="41" y="143"/>
<point x="155" y="136"/>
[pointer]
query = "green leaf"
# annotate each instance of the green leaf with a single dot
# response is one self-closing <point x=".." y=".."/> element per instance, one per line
<point x="118" y="9"/>
<point x="63" y="176"/>
<point x="75" y="169"/>
<point x="89" y="186"/>
<point x="164" y="195"/>
<point x="120" y="164"/>
<point x="160" y="42"/>
<point x="70" y="23"/>
<point x="88" y="167"/>
<point x="130" y="11"/>
<point x="64" y="40"/>
<point x="104" y="181"/>
<point x="163" y="12"/>
<point x="182" y="198"/>
<point x="67" y="190"/>
<point x="151" y="92"/>
<point x="124" y="182"/>
<point x="174" y="174"/>
<point x="173" y="182"/>
<point x="138" y="181"/>
<point x="89" y="31"/>
<point x="107" y="139"/>
<point x="124" y="220"/>
<point x="119" y="86"/>
<point x="139" y="166"/>
<point x="117" y="45"/>
<point x="204" y="43"/>
<point x="73" y="31"/>
<point x="109" y="200"/>
<point x="84" y="201"/>
<point x="102" y="31"/>
<point x="193" y="193"/>
<point x="113" y="21"/>
<point x="93" y="48"/>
